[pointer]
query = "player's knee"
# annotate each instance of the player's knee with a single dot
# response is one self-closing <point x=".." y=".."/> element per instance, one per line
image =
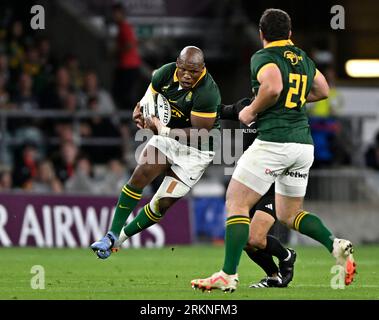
<point x="170" y="190"/>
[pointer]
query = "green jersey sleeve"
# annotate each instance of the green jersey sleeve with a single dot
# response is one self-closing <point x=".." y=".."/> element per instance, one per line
<point x="258" y="60"/>
<point x="162" y="76"/>
<point x="206" y="101"/>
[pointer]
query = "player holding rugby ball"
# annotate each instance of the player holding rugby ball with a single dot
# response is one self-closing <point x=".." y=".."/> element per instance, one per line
<point x="180" y="107"/>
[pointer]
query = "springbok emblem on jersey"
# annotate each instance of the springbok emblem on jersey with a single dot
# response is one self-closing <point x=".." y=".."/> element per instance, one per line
<point x="293" y="57"/>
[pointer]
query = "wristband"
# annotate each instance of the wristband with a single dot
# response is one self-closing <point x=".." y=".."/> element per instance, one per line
<point x="164" y="131"/>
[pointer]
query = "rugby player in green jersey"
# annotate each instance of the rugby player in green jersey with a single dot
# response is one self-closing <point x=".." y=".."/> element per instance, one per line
<point x="261" y="246"/>
<point x="194" y="98"/>
<point x="283" y="79"/>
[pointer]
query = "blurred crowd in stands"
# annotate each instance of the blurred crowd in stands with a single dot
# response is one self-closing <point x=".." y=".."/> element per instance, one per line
<point x="58" y="154"/>
<point x="91" y="153"/>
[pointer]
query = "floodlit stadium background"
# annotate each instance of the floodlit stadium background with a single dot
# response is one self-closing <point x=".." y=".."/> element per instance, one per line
<point x="58" y="104"/>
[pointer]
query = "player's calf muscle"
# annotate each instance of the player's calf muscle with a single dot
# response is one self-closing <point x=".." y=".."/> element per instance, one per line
<point x="288" y="217"/>
<point x="165" y="203"/>
<point x="235" y="208"/>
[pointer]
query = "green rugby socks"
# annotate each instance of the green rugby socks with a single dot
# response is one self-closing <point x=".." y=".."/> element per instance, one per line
<point x="145" y="218"/>
<point x="129" y="197"/>
<point x="312" y="226"/>
<point x="236" y="236"/>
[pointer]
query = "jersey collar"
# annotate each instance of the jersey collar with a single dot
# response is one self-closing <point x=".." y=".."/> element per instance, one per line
<point x="175" y="76"/>
<point x="279" y="43"/>
<point x="203" y="73"/>
<point x="201" y="76"/>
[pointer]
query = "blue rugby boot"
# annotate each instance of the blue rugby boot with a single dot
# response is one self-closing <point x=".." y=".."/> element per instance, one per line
<point x="103" y="247"/>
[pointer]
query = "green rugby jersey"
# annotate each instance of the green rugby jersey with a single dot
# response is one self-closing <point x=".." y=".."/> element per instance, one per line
<point x="202" y="100"/>
<point x="286" y="121"/>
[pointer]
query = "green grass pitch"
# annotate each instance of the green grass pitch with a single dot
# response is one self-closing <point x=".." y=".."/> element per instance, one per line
<point x="148" y="274"/>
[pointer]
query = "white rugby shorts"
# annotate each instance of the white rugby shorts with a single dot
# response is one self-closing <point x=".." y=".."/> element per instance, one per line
<point x="286" y="164"/>
<point x="187" y="163"/>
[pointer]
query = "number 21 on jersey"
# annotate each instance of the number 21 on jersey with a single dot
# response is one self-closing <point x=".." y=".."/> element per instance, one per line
<point x="299" y="84"/>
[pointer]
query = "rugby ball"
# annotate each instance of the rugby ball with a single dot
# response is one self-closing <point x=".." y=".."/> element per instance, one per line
<point x="156" y="105"/>
<point x="163" y="109"/>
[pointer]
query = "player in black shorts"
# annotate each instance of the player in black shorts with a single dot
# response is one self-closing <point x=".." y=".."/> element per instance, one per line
<point x="261" y="246"/>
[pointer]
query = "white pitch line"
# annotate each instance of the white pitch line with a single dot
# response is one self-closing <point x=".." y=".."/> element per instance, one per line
<point x="328" y="286"/>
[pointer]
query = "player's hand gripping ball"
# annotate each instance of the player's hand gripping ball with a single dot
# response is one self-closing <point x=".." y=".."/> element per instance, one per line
<point x="156" y="105"/>
<point x="138" y="117"/>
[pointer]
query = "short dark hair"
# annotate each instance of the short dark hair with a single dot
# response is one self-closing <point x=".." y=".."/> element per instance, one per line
<point x="275" y="24"/>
